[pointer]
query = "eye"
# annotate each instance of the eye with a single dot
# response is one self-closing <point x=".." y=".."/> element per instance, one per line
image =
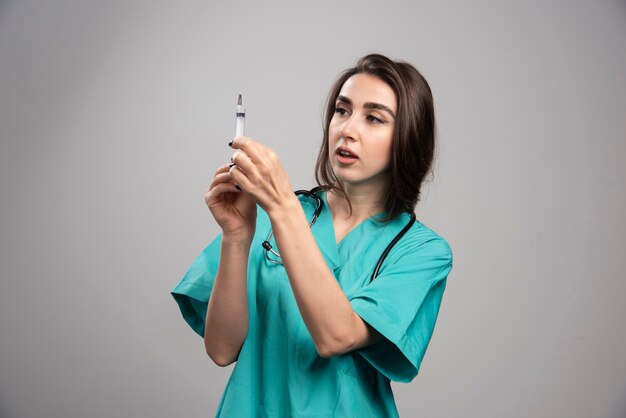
<point x="340" y="110"/>
<point x="375" y="119"/>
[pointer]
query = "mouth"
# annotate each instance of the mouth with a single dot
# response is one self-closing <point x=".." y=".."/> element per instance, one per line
<point x="345" y="153"/>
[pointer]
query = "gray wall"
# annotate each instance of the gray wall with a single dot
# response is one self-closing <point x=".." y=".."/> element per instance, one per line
<point x="113" y="116"/>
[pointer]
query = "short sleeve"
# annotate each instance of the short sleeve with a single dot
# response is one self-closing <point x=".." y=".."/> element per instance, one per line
<point x="193" y="291"/>
<point x="402" y="304"/>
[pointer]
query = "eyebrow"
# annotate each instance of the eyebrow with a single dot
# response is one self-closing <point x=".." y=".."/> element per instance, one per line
<point x="368" y="105"/>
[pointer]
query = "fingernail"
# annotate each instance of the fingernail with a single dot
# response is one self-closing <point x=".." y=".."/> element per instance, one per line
<point x="237" y="187"/>
<point x="230" y="144"/>
<point x="231" y="164"/>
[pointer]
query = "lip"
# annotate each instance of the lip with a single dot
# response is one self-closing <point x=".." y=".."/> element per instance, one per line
<point x="345" y="160"/>
<point x="345" y="149"/>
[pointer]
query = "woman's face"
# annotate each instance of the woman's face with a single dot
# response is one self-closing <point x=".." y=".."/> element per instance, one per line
<point x="361" y="131"/>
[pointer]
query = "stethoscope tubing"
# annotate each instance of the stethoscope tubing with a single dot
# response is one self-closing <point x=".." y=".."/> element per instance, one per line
<point x="318" y="210"/>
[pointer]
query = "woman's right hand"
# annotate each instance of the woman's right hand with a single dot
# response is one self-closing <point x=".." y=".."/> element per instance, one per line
<point x="233" y="209"/>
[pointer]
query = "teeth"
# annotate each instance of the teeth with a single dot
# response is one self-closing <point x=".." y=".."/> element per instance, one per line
<point x="345" y="154"/>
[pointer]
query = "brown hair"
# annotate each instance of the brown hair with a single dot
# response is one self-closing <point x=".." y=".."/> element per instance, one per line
<point x="413" y="145"/>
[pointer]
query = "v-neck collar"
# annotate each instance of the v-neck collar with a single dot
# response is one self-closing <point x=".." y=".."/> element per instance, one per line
<point x="355" y="228"/>
<point x="324" y="231"/>
<point x="327" y="238"/>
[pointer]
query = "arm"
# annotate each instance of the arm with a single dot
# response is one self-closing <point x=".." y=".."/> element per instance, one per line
<point x="226" y="323"/>
<point x="334" y="326"/>
<point x="227" y="314"/>
<point x="325" y="309"/>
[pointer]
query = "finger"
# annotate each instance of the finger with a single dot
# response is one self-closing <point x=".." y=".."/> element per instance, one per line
<point x="219" y="179"/>
<point x="246" y="144"/>
<point x="221" y="189"/>
<point x="242" y="161"/>
<point x="222" y="169"/>
<point x="240" y="178"/>
<point x="239" y="141"/>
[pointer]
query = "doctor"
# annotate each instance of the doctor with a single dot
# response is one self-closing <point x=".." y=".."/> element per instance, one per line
<point x="311" y="334"/>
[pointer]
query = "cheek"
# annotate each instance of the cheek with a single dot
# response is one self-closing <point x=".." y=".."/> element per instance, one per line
<point x="333" y="137"/>
<point x="385" y="158"/>
<point x="383" y="150"/>
<point x="333" y="130"/>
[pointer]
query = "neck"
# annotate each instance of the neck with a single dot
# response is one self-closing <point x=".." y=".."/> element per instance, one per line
<point x="365" y="202"/>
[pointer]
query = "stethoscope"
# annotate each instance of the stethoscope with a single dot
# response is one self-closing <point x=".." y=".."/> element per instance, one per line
<point x="319" y="205"/>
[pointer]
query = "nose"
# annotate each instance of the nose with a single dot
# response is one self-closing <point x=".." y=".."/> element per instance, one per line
<point x="348" y="129"/>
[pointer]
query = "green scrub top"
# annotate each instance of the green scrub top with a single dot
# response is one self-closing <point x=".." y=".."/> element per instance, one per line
<point x="279" y="372"/>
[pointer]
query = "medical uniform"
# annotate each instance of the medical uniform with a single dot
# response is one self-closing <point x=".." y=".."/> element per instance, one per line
<point x="279" y="372"/>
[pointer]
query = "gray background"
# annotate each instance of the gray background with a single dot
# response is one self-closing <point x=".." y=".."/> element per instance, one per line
<point x="113" y="116"/>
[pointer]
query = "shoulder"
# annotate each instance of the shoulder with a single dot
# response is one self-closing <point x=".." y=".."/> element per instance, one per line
<point x="420" y="240"/>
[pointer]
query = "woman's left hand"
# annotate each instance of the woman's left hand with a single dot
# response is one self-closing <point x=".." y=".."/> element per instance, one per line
<point x="259" y="172"/>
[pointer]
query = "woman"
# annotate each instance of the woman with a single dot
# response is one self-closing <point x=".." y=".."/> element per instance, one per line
<point x="290" y="295"/>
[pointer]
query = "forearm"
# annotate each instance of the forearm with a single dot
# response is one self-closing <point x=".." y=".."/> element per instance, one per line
<point x="324" y="307"/>
<point x="227" y="314"/>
